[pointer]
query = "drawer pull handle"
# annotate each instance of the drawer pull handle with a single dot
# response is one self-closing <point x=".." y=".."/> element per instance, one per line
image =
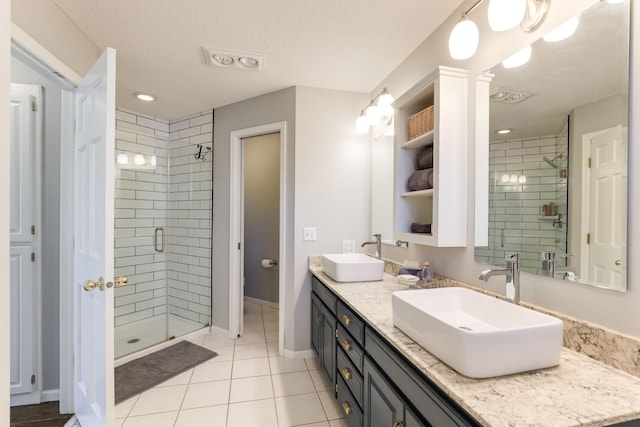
<point x="346" y="320"/>
<point x="397" y="424"/>
<point x="346" y="407"/>
<point x="319" y="320"/>
<point x="346" y="373"/>
<point x="346" y="345"/>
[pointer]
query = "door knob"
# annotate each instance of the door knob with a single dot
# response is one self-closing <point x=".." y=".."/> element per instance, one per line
<point x="119" y="281"/>
<point x="90" y="285"/>
<point x="618" y="263"/>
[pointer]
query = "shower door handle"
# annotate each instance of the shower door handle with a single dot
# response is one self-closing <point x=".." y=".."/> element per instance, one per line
<point x="159" y="231"/>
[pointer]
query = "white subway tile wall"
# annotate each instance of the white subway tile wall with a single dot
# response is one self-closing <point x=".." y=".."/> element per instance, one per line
<point x="175" y="195"/>
<point x="189" y="217"/>
<point x="520" y="183"/>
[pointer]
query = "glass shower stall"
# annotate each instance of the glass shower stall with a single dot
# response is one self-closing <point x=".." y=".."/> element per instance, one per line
<point x="163" y="213"/>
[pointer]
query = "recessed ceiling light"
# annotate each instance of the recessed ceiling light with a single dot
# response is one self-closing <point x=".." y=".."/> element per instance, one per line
<point x="509" y="96"/>
<point x="504" y="131"/>
<point x="143" y="96"/>
<point x="229" y="58"/>
<point x="248" y="62"/>
<point x="222" y="59"/>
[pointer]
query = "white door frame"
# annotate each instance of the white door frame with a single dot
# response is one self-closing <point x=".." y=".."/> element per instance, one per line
<point x="236" y="238"/>
<point x="48" y="61"/>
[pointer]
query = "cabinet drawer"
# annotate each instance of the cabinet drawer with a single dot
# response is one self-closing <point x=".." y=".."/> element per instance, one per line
<point x="351" y="322"/>
<point x="350" y="409"/>
<point x="326" y="296"/>
<point x="350" y="375"/>
<point x="351" y="348"/>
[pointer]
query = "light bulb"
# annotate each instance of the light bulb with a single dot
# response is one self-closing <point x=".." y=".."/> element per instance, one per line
<point x="138" y="160"/>
<point x="562" y="32"/>
<point x="386" y="110"/>
<point x="464" y="39"/>
<point x="519" y="58"/>
<point x="506" y="14"/>
<point x="513" y="179"/>
<point x="385" y="99"/>
<point x="373" y="114"/>
<point x="122" y="159"/>
<point x="362" y="124"/>
<point x="505" y="178"/>
<point x="522" y="179"/>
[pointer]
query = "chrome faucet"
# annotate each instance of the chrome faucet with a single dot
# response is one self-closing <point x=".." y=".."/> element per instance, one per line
<point x="548" y="259"/>
<point x="512" y="273"/>
<point x="378" y="244"/>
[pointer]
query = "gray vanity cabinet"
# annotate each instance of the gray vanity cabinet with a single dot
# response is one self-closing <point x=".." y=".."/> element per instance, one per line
<point x="375" y="385"/>
<point x="384" y="407"/>
<point x="323" y="328"/>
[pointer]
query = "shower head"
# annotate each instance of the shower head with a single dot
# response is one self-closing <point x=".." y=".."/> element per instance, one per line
<point x="552" y="162"/>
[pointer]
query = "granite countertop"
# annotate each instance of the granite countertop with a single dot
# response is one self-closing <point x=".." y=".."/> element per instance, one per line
<point x="578" y="392"/>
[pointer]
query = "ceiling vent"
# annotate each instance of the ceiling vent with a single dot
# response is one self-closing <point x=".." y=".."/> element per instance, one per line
<point x="508" y="96"/>
<point x="227" y="58"/>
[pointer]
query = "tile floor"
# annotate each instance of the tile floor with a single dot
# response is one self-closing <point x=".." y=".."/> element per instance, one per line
<point x="246" y="385"/>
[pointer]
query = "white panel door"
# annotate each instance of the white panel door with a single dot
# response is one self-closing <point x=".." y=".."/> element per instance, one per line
<point x="22" y="320"/>
<point x="608" y="251"/>
<point x="93" y="245"/>
<point x="22" y="161"/>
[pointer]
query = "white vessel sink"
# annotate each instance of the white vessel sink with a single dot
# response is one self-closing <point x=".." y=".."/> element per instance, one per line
<point x="477" y="335"/>
<point x="352" y="267"/>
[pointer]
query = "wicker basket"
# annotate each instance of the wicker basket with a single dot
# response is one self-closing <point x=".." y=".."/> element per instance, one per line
<point x="421" y="123"/>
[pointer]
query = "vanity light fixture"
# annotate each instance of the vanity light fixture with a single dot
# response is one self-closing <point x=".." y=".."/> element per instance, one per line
<point x="502" y="15"/>
<point x="519" y="58"/>
<point x="562" y="32"/>
<point x="228" y="58"/>
<point x="379" y="108"/>
<point x="144" y="96"/>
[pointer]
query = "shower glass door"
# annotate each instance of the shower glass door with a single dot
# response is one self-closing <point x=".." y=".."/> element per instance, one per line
<point x="162" y="233"/>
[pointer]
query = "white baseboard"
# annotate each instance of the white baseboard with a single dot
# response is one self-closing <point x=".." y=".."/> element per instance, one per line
<point x="262" y="302"/>
<point x="50" y="395"/>
<point x="33" y="398"/>
<point x="304" y="354"/>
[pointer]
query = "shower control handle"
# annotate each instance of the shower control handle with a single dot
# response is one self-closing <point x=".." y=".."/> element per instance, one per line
<point x="156" y="246"/>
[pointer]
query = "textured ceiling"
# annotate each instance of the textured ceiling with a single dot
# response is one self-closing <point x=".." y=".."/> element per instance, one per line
<point x="344" y="45"/>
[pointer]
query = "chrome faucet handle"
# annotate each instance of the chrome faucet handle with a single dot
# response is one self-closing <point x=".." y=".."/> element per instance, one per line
<point x="512" y="257"/>
<point x="551" y="255"/>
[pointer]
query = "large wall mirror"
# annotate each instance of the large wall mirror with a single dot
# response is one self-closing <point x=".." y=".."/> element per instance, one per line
<point x="558" y="179"/>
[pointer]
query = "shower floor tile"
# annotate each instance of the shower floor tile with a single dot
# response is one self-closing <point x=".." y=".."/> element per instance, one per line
<point x="245" y="385"/>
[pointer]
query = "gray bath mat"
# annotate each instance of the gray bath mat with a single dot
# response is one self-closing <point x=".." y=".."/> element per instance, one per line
<point x="142" y="374"/>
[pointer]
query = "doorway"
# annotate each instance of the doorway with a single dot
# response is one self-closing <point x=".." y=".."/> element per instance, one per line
<point x="252" y="238"/>
<point x="261" y="177"/>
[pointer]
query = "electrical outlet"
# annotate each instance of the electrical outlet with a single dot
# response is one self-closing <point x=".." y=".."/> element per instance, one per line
<point x="309" y="233"/>
<point x="348" y="246"/>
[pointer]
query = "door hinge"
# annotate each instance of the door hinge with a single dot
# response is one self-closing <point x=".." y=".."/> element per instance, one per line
<point x="337" y="334"/>
<point x="336" y="388"/>
<point x="33" y="229"/>
<point x="33" y="256"/>
<point x="34" y="106"/>
<point x="33" y="379"/>
<point x="588" y="238"/>
<point x="589" y="162"/>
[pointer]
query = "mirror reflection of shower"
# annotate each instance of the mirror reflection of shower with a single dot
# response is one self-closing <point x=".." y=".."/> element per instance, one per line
<point x="162" y="230"/>
<point x="552" y="162"/>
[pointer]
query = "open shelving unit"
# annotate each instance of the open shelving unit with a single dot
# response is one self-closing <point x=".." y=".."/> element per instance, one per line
<point x="445" y="205"/>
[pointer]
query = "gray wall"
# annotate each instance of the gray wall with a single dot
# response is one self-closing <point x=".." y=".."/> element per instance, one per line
<point x="261" y="215"/>
<point x="22" y="72"/>
<point x="270" y="108"/>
